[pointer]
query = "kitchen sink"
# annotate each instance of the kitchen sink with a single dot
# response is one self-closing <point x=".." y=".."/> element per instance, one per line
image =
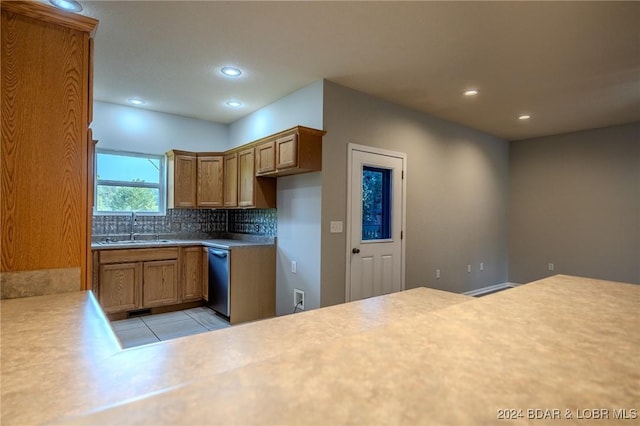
<point x="105" y="243"/>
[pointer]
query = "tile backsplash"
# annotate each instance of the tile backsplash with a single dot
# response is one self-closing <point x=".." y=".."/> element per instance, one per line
<point x="186" y="223"/>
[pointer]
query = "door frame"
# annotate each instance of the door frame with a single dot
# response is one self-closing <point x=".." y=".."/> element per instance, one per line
<point x="351" y="147"/>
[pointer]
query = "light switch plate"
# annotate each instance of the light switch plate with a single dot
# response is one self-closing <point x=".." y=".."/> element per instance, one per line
<point x="335" y="227"/>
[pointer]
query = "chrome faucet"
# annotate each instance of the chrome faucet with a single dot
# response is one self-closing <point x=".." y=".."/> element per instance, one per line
<point x="133" y="224"/>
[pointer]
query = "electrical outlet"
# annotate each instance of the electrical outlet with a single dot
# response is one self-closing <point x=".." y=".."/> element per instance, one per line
<point x="298" y="299"/>
<point x="551" y="266"/>
<point x="437" y="274"/>
<point x="294" y="267"/>
<point x="469" y="268"/>
<point x="482" y="266"/>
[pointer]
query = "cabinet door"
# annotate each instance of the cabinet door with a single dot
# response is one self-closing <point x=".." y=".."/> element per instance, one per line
<point x="265" y="158"/>
<point x="246" y="177"/>
<point x="205" y="273"/>
<point x="191" y="273"/>
<point x="119" y="287"/>
<point x="287" y="151"/>
<point x="184" y="181"/>
<point x="231" y="180"/>
<point x="210" y="177"/>
<point x="160" y="283"/>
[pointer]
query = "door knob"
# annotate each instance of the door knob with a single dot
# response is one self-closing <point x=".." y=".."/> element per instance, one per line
<point x="355" y="250"/>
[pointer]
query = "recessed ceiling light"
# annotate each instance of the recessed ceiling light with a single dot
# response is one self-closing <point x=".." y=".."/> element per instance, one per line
<point x="70" y="5"/>
<point x="524" y="117"/>
<point x="136" y="101"/>
<point x="234" y="104"/>
<point x="471" y="92"/>
<point x="231" y="71"/>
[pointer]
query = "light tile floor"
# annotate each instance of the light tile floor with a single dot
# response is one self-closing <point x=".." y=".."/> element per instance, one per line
<point x="143" y="330"/>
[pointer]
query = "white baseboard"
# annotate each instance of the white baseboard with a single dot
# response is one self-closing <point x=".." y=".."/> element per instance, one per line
<point x="489" y="289"/>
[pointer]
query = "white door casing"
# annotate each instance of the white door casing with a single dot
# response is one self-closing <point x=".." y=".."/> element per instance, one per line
<point x="374" y="266"/>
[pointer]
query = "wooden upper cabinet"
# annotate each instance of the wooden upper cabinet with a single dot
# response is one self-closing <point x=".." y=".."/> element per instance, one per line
<point x="181" y="179"/>
<point x="246" y="177"/>
<point x="46" y="107"/>
<point x="286" y="151"/>
<point x="231" y="180"/>
<point x="293" y="151"/>
<point x="210" y="180"/>
<point x="256" y="192"/>
<point x="265" y="158"/>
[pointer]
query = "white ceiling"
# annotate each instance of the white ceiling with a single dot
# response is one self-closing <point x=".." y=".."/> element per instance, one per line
<point x="570" y="65"/>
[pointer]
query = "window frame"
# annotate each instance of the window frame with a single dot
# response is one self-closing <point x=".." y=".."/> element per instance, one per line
<point x="161" y="185"/>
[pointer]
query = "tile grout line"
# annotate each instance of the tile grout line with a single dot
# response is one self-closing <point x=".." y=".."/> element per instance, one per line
<point x="196" y="320"/>
<point x="151" y="330"/>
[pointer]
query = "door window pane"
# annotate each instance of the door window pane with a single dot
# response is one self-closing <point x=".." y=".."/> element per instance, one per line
<point x="376" y="203"/>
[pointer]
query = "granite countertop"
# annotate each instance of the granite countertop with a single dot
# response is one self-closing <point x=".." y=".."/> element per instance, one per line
<point x="422" y="356"/>
<point x="217" y="243"/>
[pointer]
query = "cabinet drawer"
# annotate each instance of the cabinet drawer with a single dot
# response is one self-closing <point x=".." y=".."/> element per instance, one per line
<point x="138" y="255"/>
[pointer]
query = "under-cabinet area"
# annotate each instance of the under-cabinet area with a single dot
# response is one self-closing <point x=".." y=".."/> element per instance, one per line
<point x="166" y="277"/>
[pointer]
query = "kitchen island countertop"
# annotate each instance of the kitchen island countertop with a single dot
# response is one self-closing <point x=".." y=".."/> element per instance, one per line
<point x="421" y="356"/>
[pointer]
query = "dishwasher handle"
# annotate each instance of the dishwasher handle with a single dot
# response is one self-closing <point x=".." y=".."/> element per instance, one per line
<point x="219" y="253"/>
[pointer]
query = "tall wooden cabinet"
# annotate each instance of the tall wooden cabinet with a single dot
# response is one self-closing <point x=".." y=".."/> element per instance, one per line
<point x="46" y="91"/>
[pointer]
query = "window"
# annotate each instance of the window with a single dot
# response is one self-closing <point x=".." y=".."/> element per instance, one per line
<point x="127" y="182"/>
<point x="376" y="203"/>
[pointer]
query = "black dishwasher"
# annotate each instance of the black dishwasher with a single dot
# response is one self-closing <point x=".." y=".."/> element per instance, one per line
<point x="219" y="281"/>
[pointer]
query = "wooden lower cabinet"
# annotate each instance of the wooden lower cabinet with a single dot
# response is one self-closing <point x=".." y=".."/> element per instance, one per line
<point x="252" y="274"/>
<point x="205" y="273"/>
<point x="192" y="273"/>
<point x="160" y="283"/>
<point x="131" y="279"/>
<point x="120" y="287"/>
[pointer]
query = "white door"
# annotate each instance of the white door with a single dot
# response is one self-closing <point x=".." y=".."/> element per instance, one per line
<point x="375" y="264"/>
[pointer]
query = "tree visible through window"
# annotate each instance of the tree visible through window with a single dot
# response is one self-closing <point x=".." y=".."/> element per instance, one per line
<point x="376" y="203"/>
<point x="127" y="182"/>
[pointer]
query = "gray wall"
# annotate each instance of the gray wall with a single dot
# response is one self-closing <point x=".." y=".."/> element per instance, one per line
<point x="457" y="188"/>
<point x="299" y="206"/>
<point x="575" y="202"/>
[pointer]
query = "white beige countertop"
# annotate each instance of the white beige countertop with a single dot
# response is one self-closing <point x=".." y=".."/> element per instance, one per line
<point x="418" y="357"/>
<point x="215" y="243"/>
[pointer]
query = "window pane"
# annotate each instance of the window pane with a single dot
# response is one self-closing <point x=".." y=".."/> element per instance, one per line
<point x="376" y="203"/>
<point x="127" y="199"/>
<point x="128" y="168"/>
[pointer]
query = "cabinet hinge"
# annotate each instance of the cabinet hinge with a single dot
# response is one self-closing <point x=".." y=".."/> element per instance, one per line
<point x="403" y="174"/>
